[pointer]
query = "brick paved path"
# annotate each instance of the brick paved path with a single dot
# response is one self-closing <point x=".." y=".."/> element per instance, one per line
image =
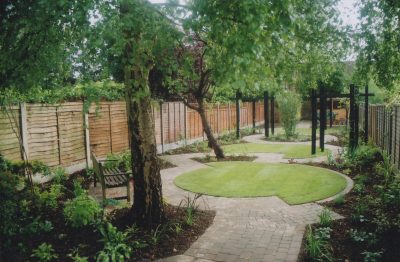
<point x="244" y="229"/>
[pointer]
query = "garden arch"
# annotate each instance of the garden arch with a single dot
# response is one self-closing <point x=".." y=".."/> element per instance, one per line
<point x="354" y="117"/>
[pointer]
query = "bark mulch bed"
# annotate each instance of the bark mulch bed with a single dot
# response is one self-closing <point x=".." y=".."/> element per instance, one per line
<point x="343" y="247"/>
<point x="64" y="238"/>
<point x="171" y="243"/>
<point x="208" y="159"/>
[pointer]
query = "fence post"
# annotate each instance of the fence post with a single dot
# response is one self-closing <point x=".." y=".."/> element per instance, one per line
<point x="184" y="122"/>
<point x="272" y="114"/>
<point x="313" y="122"/>
<point x="237" y="115"/>
<point x="87" y="139"/>
<point x="254" y="116"/>
<point x="161" y="128"/>
<point x="395" y="135"/>
<point x="322" y="117"/>
<point x="366" y="117"/>
<point x="356" y="116"/>
<point x="218" y="119"/>
<point x="58" y="137"/>
<point x="24" y="131"/>
<point x="110" y="125"/>
<point x="330" y="112"/>
<point x="266" y="114"/>
<point x="390" y="134"/>
<point x="351" y="136"/>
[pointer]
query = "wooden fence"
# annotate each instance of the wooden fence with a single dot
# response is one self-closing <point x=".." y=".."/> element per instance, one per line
<point x="64" y="135"/>
<point x="383" y="128"/>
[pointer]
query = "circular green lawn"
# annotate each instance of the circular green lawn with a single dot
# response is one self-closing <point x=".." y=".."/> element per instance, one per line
<point x="295" y="184"/>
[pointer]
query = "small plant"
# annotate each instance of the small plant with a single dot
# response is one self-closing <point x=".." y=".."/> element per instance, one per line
<point x="37" y="226"/>
<point x="59" y="175"/>
<point x="156" y="234"/>
<point x="81" y="211"/>
<point x="362" y="236"/>
<point x="325" y="218"/>
<point x="75" y="257"/>
<point x="78" y="189"/>
<point x="191" y="207"/>
<point x="48" y="198"/>
<point x="45" y="252"/>
<point x="317" y="246"/>
<point x="176" y="227"/>
<point x="331" y="159"/>
<point x="372" y="256"/>
<point x="115" y="247"/>
<point x="339" y="200"/>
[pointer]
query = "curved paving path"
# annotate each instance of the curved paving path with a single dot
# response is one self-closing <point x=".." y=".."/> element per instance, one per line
<point x="244" y="229"/>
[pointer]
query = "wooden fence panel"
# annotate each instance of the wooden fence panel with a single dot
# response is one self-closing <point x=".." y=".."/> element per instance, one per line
<point x="99" y="129"/>
<point x="9" y="143"/>
<point x="43" y="132"/>
<point x="71" y="134"/>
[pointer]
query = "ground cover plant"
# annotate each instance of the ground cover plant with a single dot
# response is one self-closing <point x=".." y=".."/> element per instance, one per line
<point x="370" y="230"/>
<point x="289" y="150"/>
<point x="59" y="221"/>
<point x="293" y="183"/>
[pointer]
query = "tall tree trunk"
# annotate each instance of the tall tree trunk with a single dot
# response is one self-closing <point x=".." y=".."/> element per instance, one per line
<point x="212" y="142"/>
<point x="148" y="207"/>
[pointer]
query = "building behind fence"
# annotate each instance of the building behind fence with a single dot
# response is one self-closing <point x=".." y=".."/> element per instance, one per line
<point x="64" y="135"/>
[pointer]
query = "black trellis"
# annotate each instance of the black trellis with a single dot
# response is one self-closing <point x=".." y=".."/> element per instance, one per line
<point x="353" y="119"/>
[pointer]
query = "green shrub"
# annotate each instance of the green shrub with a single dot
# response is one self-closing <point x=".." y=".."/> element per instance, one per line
<point x="363" y="237"/>
<point x="317" y="246"/>
<point x="45" y="252"/>
<point x="191" y="206"/>
<point x="372" y="256"/>
<point x="9" y="208"/>
<point x="325" y="218"/>
<point x="339" y="200"/>
<point x="81" y="211"/>
<point x="78" y="189"/>
<point x="115" y="247"/>
<point x="120" y="160"/>
<point x="48" y="198"/>
<point x="364" y="156"/>
<point x="289" y="105"/>
<point x="59" y="175"/>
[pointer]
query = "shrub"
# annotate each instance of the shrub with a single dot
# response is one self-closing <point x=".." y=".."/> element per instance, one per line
<point x="317" y="246"/>
<point x="48" y="198"/>
<point x="115" y="247"/>
<point x="191" y="206"/>
<point x="289" y="105"/>
<point x="364" y="156"/>
<point x="362" y="236"/>
<point x="372" y="256"/>
<point x="339" y="200"/>
<point x="120" y="160"/>
<point x="325" y="218"/>
<point x="59" y="175"/>
<point x="81" y="211"/>
<point x="9" y="208"/>
<point x="45" y="252"/>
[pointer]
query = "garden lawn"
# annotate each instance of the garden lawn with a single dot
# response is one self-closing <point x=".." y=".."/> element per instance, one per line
<point x="295" y="184"/>
<point x="289" y="151"/>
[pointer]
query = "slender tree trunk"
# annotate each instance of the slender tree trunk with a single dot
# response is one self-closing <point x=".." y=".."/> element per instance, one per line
<point x="148" y="207"/>
<point x="212" y="142"/>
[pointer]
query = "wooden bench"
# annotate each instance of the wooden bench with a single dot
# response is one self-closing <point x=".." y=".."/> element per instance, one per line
<point x="110" y="177"/>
